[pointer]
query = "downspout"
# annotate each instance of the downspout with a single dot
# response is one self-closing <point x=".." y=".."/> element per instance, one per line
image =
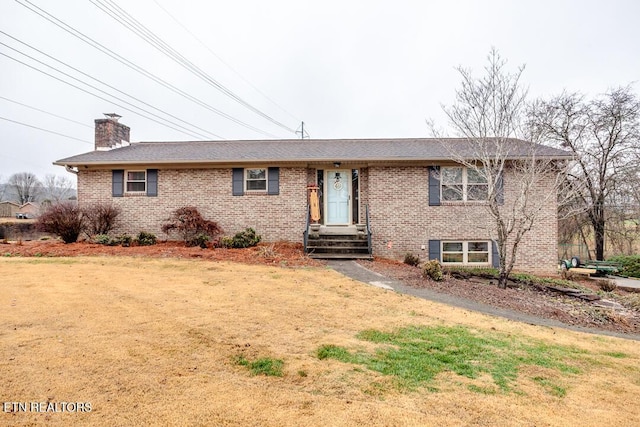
<point x="70" y="169"/>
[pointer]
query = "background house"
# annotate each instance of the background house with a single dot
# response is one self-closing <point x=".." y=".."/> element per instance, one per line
<point x="8" y="209"/>
<point x="29" y="210"/>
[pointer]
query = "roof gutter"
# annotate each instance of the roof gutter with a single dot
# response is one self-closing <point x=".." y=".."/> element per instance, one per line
<point x="256" y="161"/>
<point x="70" y="169"/>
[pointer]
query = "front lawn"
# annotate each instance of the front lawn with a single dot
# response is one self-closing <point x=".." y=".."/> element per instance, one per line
<point x="195" y="342"/>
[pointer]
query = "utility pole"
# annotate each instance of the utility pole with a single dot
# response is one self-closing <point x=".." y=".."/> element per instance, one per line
<point x="302" y="132"/>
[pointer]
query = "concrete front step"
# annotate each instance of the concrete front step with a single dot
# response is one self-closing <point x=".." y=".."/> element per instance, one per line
<point x="338" y="248"/>
<point x="338" y="243"/>
<point x="340" y="256"/>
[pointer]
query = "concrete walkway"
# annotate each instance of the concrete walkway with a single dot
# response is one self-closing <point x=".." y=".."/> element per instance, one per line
<point x="357" y="272"/>
<point x="627" y="283"/>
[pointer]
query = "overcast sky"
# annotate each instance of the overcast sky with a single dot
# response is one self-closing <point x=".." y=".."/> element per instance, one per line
<point x="348" y="69"/>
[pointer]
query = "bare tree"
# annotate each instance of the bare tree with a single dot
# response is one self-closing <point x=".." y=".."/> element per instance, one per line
<point x="26" y="186"/>
<point x="490" y="114"/>
<point x="604" y="136"/>
<point x="3" y="189"/>
<point x="57" y="188"/>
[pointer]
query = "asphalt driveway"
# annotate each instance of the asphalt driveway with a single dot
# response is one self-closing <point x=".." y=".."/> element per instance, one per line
<point x="356" y="271"/>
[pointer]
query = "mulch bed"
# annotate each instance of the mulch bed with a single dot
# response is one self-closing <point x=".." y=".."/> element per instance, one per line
<point x="603" y="313"/>
<point x="285" y="254"/>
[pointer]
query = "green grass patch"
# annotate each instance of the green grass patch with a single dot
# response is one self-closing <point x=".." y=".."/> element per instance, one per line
<point x="551" y="387"/>
<point x="330" y="351"/>
<point x="414" y="356"/>
<point x="482" y="390"/>
<point x="263" y="366"/>
<point x="616" y="354"/>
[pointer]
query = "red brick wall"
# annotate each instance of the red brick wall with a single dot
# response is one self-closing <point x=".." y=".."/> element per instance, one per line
<point x="402" y="220"/>
<point x="275" y="217"/>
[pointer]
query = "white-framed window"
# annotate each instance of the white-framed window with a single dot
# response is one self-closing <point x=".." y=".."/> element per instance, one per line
<point x="255" y="179"/>
<point x="466" y="252"/>
<point x="459" y="184"/>
<point x="136" y="181"/>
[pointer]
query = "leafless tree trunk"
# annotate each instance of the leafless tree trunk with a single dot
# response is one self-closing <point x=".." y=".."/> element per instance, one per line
<point x="604" y="136"/>
<point x="490" y="114"/>
<point x="3" y="189"/>
<point x="26" y="186"/>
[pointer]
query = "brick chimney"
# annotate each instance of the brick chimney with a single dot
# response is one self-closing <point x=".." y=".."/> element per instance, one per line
<point x="110" y="134"/>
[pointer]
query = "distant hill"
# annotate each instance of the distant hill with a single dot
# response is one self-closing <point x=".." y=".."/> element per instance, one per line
<point x="8" y="194"/>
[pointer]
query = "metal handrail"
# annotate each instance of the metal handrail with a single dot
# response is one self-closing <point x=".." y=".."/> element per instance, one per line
<point x="305" y="234"/>
<point x="368" y="230"/>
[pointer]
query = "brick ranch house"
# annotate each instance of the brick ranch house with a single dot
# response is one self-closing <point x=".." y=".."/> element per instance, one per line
<point x="376" y="196"/>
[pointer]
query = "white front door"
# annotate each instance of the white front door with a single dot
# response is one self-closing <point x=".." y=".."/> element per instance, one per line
<point x="338" y="197"/>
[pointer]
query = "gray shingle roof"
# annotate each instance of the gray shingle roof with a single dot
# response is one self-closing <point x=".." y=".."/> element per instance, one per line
<point x="296" y="150"/>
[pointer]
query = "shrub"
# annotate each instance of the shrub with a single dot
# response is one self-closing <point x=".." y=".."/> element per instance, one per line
<point x="64" y="220"/>
<point x="146" y="239"/>
<point x="242" y="239"/>
<point x="190" y="225"/>
<point x="607" y="285"/>
<point x="432" y="270"/>
<point x="267" y="251"/>
<point x="126" y="240"/>
<point x="411" y="259"/>
<point x="102" y="239"/>
<point x="200" y="240"/>
<point x="100" y="218"/>
<point x="630" y="264"/>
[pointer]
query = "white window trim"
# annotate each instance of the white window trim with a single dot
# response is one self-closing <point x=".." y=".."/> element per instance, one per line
<point x="126" y="181"/>
<point x="266" y="180"/>
<point x="465" y="252"/>
<point x="465" y="186"/>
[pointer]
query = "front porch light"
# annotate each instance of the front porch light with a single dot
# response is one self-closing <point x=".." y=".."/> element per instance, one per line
<point x="336" y="164"/>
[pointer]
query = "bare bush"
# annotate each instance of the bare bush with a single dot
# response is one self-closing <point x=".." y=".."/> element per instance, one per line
<point x="100" y="218"/>
<point x="191" y="226"/>
<point x="65" y="220"/>
<point x="607" y="285"/>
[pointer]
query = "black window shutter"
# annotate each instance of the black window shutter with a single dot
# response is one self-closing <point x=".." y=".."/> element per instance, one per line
<point x="495" y="257"/>
<point x="434" y="185"/>
<point x="117" y="183"/>
<point x="273" y="182"/>
<point x="434" y="249"/>
<point x="238" y="182"/>
<point x="152" y="182"/>
<point x="500" y="189"/>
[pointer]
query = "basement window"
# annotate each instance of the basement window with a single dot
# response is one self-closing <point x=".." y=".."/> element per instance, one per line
<point x="463" y="252"/>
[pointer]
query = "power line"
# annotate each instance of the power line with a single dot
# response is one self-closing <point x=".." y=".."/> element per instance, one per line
<point x="184" y="27"/>
<point x="125" y="19"/>
<point x="147" y="35"/>
<point x="46" y="112"/>
<point x="114" y="88"/>
<point x="163" y="123"/>
<point x="96" y="45"/>
<point x="46" y="130"/>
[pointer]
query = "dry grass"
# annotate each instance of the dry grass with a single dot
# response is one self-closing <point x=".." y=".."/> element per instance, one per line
<point x="156" y="342"/>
